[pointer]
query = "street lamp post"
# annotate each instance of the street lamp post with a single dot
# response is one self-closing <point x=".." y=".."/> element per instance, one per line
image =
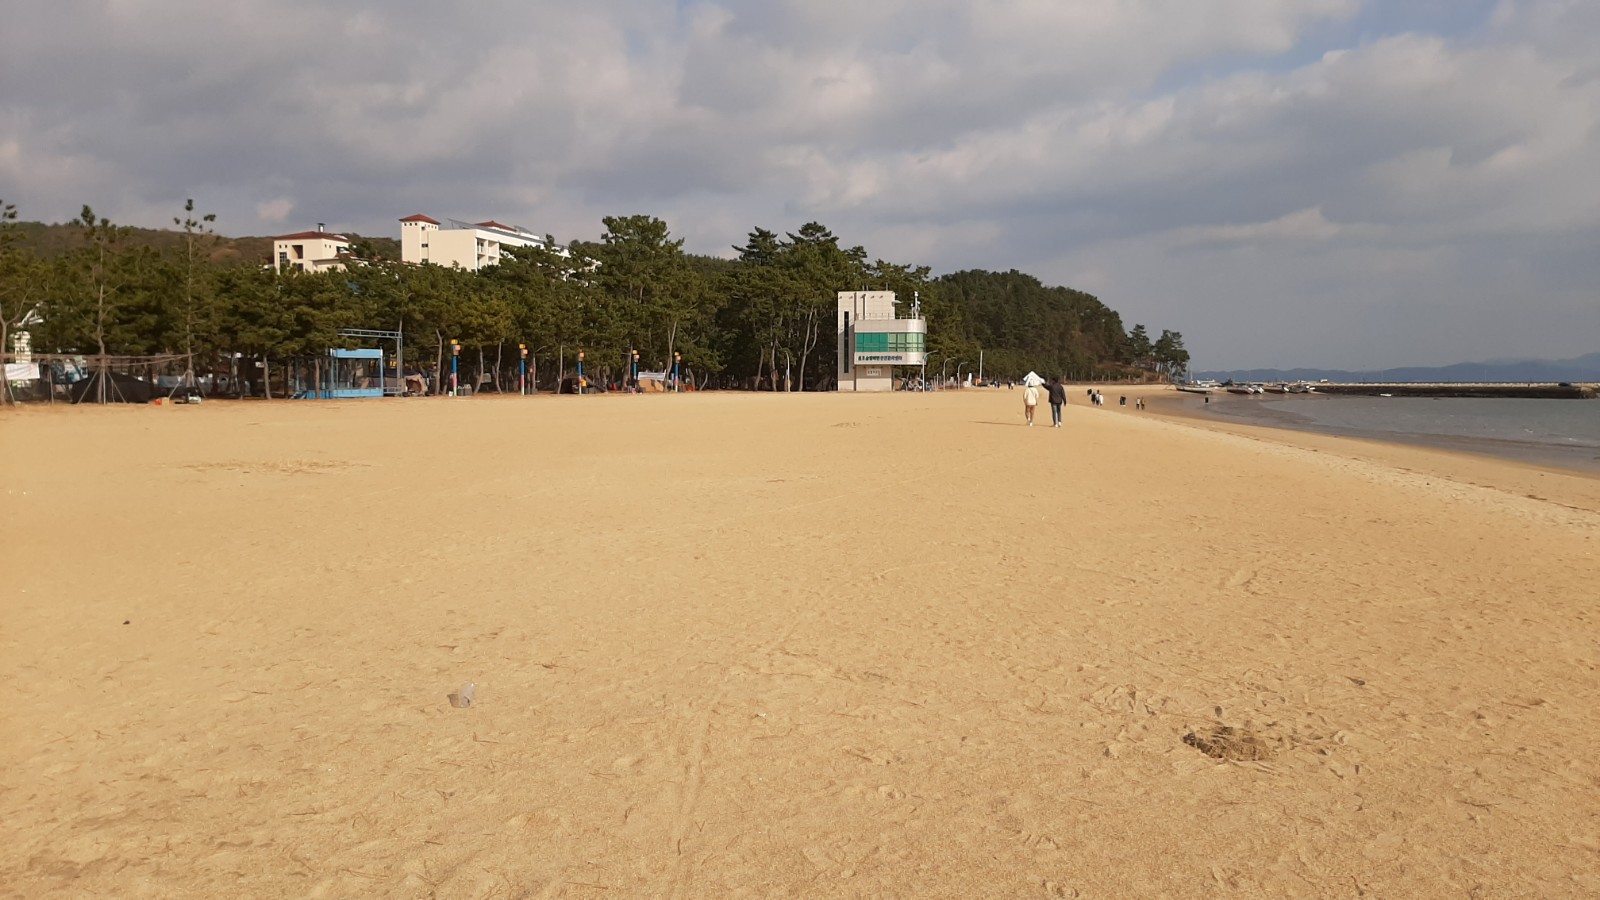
<point x="958" y="372"/>
<point x="947" y="361"/>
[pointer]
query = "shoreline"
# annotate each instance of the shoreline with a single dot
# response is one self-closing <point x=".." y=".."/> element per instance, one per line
<point x="1572" y="487"/>
<point x="1192" y="407"/>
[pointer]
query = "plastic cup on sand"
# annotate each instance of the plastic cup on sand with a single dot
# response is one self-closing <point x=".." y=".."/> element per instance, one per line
<point x="462" y="698"/>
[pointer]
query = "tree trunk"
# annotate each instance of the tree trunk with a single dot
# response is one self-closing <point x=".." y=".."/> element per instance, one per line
<point x="672" y="338"/>
<point x="5" y="383"/>
<point x="808" y="343"/>
<point x="438" y="362"/>
<point x="266" y="376"/>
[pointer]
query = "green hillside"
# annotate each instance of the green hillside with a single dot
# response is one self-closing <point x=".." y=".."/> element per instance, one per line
<point x="51" y="241"/>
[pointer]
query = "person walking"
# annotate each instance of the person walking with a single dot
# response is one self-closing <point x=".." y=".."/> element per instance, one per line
<point x="1058" y="398"/>
<point x="1030" y="399"/>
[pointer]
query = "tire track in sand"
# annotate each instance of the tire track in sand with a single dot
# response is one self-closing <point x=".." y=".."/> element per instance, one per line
<point x="682" y="872"/>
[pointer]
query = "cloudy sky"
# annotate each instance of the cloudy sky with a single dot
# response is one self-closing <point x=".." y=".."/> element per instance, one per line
<point x="1337" y="183"/>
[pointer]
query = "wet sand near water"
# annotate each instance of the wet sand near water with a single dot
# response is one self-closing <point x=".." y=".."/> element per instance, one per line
<point x="1578" y="454"/>
<point x="799" y="646"/>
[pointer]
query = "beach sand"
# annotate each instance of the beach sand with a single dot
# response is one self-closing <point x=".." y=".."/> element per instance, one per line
<point x="731" y="645"/>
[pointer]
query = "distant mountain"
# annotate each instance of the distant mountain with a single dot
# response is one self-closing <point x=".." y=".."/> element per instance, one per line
<point x="1584" y="368"/>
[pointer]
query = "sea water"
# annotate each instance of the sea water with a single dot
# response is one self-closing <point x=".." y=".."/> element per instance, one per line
<point x="1564" y="433"/>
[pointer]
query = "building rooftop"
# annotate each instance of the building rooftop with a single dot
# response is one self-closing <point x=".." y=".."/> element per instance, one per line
<point x="313" y="235"/>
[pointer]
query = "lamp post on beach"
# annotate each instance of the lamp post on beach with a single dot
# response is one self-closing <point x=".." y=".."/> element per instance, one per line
<point x="925" y="357"/>
<point x="455" y="361"/>
<point x="947" y="362"/>
<point x="958" y="372"/>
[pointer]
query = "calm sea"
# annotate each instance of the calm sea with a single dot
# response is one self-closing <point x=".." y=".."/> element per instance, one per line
<point x="1563" y="433"/>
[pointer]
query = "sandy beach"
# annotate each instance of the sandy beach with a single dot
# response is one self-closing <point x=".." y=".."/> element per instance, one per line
<point x="733" y="645"/>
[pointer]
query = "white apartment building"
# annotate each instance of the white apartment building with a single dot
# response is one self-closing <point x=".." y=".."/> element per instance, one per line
<point x="466" y="245"/>
<point x="310" y="251"/>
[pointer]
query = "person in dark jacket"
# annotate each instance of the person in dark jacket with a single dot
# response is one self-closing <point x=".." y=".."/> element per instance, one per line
<point x="1058" y="399"/>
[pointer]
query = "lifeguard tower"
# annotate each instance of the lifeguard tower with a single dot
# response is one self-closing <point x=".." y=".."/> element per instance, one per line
<point x="874" y="337"/>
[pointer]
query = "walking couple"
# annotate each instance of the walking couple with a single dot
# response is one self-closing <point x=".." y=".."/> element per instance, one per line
<point x="1058" y="398"/>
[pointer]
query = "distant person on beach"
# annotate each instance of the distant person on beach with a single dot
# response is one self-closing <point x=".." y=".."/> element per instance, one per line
<point x="1030" y="399"/>
<point x="1058" y="398"/>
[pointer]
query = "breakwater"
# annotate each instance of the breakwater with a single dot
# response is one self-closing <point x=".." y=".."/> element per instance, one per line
<point x="1533" y="390"/>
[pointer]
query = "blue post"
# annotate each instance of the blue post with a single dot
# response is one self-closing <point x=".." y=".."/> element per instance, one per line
<point x="676" y="358"/>
<point x="580" y="373"/>
<point x="524" y="382"/>
<point x="455" y="359"/>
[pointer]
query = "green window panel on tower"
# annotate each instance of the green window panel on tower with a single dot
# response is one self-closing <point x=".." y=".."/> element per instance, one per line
<point x="893" y="342"/>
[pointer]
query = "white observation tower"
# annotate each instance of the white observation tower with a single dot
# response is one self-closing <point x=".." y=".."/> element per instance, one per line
<point x="874" y="338"/>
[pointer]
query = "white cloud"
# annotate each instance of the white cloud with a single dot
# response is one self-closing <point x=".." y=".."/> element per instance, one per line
<point x="1302" y="226"/>
<point x="276" y="211"/>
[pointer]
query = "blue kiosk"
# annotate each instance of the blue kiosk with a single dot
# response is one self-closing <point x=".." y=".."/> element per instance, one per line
<point x="360" y="373"/>
<point x="346" y="375"/>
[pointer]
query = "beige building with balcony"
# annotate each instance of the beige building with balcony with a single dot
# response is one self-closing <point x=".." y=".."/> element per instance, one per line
<point x="465" y="245"/>
<point x="310" y="251"/>
<point x="874" y="337"/>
